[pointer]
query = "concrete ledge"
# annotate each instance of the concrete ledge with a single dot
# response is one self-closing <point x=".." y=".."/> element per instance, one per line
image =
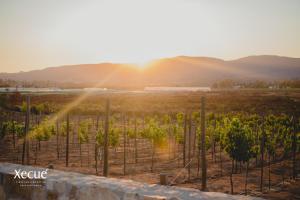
<point x="60" y="185"/>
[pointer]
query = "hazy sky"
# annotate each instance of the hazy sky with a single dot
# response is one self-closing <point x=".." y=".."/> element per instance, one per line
<point x="39" y="33"/>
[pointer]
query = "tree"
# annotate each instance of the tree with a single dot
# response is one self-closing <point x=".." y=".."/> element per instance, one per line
<point x="219" y="136"/>
<point x="26" y="108"/>
<point x="178" y="130"/>
<point x="67" y="139"/>
<point x="132" y="134"/>
<point x="239" y="145"/>
<point x="106" y="133"/>
<point x="42" y="132"/>
<point x="207" y="145"/>
<point x="196" y="120"/>
<point x="177" y="133"/>
<point x="57" y="138"/>
<point x="12" y="130"/>
<point x="295" y="143"/>
<point x="114" y="134"/>
<point x="211" y="129"/>
<point x="135" y="139"/>
<point x="184" y="140"/>
<point x="82" y="136"/>
<point x="20" y="130"/>
<point x="167" y="126"/>
<point x="285" y="136"/>
<point x="125" y="134"/>
<point x="113" y="138"/>
<point x="99" y="145"/>
<point x="203" y="150"/>
<point x="270" y="142"/>
<point x="262" y="138"/>
<point x="156" y="135"/>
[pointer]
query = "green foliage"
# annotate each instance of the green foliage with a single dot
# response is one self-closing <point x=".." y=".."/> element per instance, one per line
<point x="178" y="133"/>
<point x="218" y="131"/>
<point x="270" y="139"/>
<point x="20" y="130"/>
<point x="154" y="132"/>
<point x="239" y="141"/>
<point x="177" y="128"/>
<point x="284" y="126"/>
<point x="45" y="108"/>
<point x="43" y="132"/>
<point x="180" y="118"/>
<point x="207" y="137"/>
<point x="100" y="138"/>
<point x="113" y="135"/>
<point x="166" y="119"/>
<point x="130" y="133"/>
<point x="10" y="127"/>
<point x="63" y="128"/>
<point x="83" y="130"/>
<point x="23" y="107"/>
<point x="196" y="117"/>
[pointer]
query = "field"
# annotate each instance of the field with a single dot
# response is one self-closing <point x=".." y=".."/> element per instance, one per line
<point x="161" y="133"/>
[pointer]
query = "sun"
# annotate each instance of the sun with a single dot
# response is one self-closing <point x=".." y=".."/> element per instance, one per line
<point x="143" y="64"/>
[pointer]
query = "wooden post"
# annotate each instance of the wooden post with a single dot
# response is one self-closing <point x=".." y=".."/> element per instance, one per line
<point x="124" y="145"/>
<point x="26" y="143"/>
<point x="189" y="149"/>
<point x="105" y="159"/>
<point x="231" y="181"/>
<point x="203" y="153"/>
<point x="27" y="130"/>
<point x="24" y="147"/>
<point x="294" y="147"/>
<point x="97" y="123"/>
<point x="246" y="183"/>
<point x="67" y="141"/>
<point x="213" y="141"/>
<point x="163" y="180"/>
<point x="135" y="140"/>
<point x="14" y="130"/>
<point x="199" y="150"/>
<point x="184" y="140"/>
<point x="96" y="158"/>
<point x="57" y="138"/>
<point x="262" y="147"/>
<point x="194" y="133"/>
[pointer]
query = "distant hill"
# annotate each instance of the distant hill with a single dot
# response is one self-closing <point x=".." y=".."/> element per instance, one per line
<point x="177" y="71"/>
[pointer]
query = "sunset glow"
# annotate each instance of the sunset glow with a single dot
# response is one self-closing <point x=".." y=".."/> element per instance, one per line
<point x="104" y="99"/>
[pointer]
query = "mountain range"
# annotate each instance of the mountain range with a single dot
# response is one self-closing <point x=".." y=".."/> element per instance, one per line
<point x="176" y="71"/>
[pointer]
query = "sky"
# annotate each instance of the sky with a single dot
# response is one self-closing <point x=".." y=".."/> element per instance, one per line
<point x="35" y="34"/>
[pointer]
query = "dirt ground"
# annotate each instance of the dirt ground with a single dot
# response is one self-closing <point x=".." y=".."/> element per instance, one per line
<point x="281" y="187"/>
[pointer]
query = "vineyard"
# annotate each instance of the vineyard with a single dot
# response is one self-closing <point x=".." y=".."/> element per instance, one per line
<point x="206" y="143"/>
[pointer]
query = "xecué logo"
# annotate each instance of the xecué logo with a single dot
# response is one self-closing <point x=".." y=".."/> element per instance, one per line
<point x="33" y="174"/>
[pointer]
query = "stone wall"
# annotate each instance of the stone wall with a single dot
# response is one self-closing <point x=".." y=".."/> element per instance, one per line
<point x="62" y="185"/>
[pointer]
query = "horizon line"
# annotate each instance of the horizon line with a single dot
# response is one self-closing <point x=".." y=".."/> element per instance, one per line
<point x="150" y="61"/>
